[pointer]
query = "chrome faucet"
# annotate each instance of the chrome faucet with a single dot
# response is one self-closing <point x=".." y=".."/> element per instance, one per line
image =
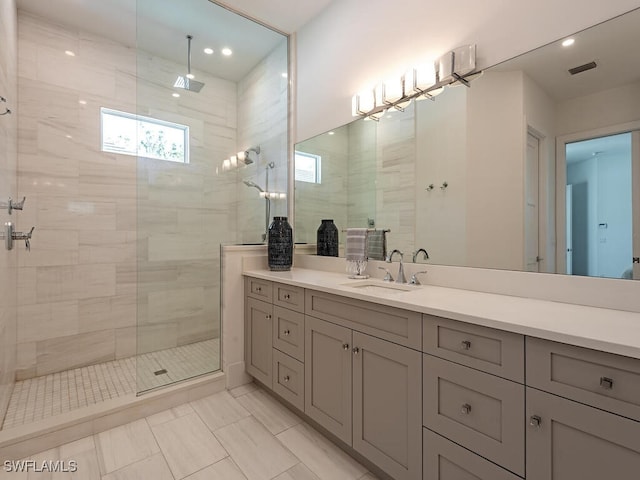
<point x="401" y="278"/>
<point x="420" y="250"/>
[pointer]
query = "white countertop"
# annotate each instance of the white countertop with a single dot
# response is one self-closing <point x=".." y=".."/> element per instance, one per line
<point x="613" y="331"/>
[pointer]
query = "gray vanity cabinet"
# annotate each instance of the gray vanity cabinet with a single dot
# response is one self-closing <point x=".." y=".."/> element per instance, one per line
<point x="258" y="330"/>
<point x="387" y="405"/>
<point x="328" y="380"/>
<point x="567" y="440"/>
<point x="367" y="392"/>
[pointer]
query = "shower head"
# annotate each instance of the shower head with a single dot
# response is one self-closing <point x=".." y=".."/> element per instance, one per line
<point x="187" y="82"/>
<point x="249" y="183"/>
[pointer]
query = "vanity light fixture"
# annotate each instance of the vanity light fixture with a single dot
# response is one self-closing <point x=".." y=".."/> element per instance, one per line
<point x="424" y="81"/>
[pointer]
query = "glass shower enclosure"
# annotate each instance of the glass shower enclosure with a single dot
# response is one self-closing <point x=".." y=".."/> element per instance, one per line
<point x="212" y="102"/>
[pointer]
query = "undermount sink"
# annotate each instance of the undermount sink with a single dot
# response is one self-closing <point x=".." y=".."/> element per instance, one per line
<point x="378" y="287"/>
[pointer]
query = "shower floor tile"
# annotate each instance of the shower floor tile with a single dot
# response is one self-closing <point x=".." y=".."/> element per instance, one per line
<point x="43" y="397"/>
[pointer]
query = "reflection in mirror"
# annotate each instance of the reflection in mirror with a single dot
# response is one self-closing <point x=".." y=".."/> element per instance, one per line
<point x="480" y="177"/>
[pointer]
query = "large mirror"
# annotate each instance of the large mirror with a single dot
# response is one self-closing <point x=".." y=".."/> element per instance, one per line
<point x="535" y="167"/>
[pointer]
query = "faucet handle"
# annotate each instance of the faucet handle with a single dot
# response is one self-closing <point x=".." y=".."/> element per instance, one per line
<point x="414" y="278"/>
<point x="387" y="277"/>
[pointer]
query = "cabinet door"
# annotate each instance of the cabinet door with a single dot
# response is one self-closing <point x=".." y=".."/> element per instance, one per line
<point x="258" y="340"/>
<point x="327" y="376"/>
<point x="387" y="405"/>
<point x="567" y="440"/>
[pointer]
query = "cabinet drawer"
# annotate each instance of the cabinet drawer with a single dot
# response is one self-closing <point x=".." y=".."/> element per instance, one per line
<point x="289" y="297"/>
<point x="260" y="289"/>
<point x="444" y="460"/>
<point x="600" y="379"/>
<point x="493" y="351"/>
<point x="288" y="379"/>
<point x="288" y="332"/>
<point x="394" y="324"/>
<point x="479" y="411"/>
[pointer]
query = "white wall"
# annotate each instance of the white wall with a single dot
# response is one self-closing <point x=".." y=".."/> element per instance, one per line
<point x="353" y="44"/>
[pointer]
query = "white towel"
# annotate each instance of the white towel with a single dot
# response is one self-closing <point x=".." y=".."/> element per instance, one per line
<point x="356" y="252"/>
<point x="356" y="245"/>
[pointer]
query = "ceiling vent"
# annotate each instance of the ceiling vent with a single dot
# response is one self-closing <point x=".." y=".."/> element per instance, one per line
<point x="582" y="68"/>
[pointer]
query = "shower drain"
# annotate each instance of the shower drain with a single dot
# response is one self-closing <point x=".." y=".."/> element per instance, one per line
<point x="160" y="372"/>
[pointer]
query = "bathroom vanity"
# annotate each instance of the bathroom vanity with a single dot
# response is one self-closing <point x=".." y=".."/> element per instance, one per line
<point x="439" y="383"/>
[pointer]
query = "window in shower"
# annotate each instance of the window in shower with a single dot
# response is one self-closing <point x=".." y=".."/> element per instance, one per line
<point x="308" y="167"/>
<point x="130" y="134"/>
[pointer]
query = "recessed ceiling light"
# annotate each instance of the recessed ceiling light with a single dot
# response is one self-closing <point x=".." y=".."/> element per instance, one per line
<point x="70" y="53"/>
<point x="82" y="102"/>
<point x="226" y="51"/>
<point x="208" y="51"/>
<point x="331" y="133"/>
<point x="568" y="42"/>
<point x="176" y="95"/>
<point x="69" y="137"/>
<point x="190" y="76"/>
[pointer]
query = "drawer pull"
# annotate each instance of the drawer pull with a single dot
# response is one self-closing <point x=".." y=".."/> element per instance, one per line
<point x="356" y="350"/>
<point x="606" y="383"/>
<point x="258" y="289"/>
<point x="465" y="409"/>
<point x="465" y="345"/>
<point x="286" y="333"/>
<point x="286" y="378"/>
<point x="345" y="346"/>
<point x="535" y="421"/>
<point x="268" y="317"/>
<point x="287" y="296"/>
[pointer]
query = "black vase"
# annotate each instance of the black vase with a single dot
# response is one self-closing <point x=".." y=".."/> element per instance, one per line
<point x="280" y="249"/>
<point x="327" y="239"/>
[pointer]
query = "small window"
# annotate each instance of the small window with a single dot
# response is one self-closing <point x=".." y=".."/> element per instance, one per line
<point x="307" y="167"/>
<point x="130" y="134"/>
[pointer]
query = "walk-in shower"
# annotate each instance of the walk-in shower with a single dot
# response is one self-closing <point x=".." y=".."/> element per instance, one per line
<point x="120" y="292"/>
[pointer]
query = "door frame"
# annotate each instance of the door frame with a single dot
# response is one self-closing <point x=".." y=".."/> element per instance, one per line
<point x="561" y="183"/>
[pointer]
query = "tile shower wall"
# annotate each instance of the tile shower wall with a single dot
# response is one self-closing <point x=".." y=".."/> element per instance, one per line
<point x="262" y="120"/>
<point x="8" y="161"/>
<point x="78" y="285"/>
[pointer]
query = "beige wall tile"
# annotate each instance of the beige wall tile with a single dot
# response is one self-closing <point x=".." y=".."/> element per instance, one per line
<point x="75" y="282"/>
<point x="63" y="353"/>
<point x="47" y="320"/>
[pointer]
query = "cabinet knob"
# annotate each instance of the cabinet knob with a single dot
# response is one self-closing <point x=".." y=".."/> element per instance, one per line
<point x="356" y="350"/>
<point x="465" y="345"/>
<point x="345" y="346"/>
<point x="268" y="317"/>
<point x="286" y="333"/>
<point x="606" y="383"/>
<point x="535" y="421"/>
<point x="286" y="378"/>
<point x="465" y="409"/>
<point x="287" y="296"/>
<point x="258" y="289"/>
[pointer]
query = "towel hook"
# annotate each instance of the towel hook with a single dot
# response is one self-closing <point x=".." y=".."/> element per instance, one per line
<point x="6" y="110"/>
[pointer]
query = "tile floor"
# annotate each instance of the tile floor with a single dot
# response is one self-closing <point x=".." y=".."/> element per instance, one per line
<point x="42" y="397"/>
<point x="242" y="434"/>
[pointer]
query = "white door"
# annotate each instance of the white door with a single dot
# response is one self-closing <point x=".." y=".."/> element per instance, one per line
<point x="569" y="207"/>
<point x="532" y="258"/>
